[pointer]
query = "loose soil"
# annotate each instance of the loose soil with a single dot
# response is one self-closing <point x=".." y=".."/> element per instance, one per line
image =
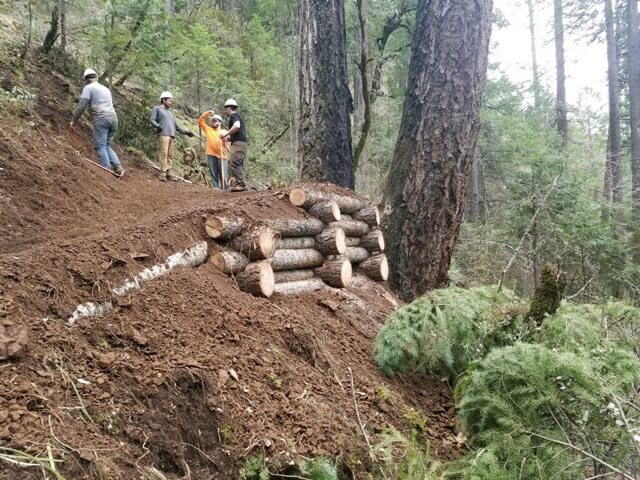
<point x="187" y="376"/>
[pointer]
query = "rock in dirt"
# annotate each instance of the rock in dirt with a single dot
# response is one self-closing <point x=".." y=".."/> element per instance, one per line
<point x="13" y="340"/>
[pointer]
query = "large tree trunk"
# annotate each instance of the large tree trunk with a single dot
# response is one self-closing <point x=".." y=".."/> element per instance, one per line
<point x="325" y="100"/>
<point x="52" y="35"/>
<point x="432" y="160"/>
<point x="535" y="85"/>
<point x="633" y="47"/>
<point x="363" y="65"/>
<point x="561" y="94"/>
<point x="613" y="152"/>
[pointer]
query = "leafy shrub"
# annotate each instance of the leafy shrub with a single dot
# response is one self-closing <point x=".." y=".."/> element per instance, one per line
<point x="447" y="329"/>
<point x="519" y="394"/>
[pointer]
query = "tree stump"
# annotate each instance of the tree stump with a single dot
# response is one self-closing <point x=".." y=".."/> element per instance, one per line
<point x="369" y="214"/>
<point x="331" y="241"/>
<point x="326" y="211"/>
<point x="376" y="267"/>
<point x="257" y="242"/>
<point x="229" y="261"/>
<point x="373" y="241"/>
<point x="336" y="273"/>
<point x="293" y="275"/>
<point x="302" y="286"/>
<point x="302" y="197"/>
<point x="287" y="227"/>
<point x="257" y="279"/>
<point x="295" y="243"/>
<point x="223" y="227"/>
<point x="356" y="254"/>
<point x="353" y="228"/>
<point x="295" y="259"/>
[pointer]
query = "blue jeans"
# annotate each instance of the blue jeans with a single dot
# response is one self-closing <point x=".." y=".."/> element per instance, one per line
<point x="104" y="129"/>
<point x="218" y="171"/>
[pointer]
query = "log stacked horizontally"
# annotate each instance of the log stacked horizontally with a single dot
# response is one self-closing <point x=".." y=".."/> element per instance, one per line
<point x="291" y="255"/>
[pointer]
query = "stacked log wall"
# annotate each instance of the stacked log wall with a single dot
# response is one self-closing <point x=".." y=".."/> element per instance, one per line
<point x="291" y="256"/>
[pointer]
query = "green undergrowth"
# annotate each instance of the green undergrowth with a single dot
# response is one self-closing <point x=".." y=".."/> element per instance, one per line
<point x="320" y="468"/>
<point x="556" y="399"/>
<point x="447" y="329"/>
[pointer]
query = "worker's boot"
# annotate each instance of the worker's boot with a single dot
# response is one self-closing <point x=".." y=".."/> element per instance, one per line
<point x="171" y="177"/>
<point x="163" y="176"/>
<point x="118" y="170"/>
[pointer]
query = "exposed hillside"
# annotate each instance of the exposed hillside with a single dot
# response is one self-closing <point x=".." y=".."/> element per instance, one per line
<point x="188" y="375"/>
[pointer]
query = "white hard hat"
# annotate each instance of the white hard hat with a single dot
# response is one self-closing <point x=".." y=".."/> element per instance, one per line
<point x="166" y="95"/>
<point x="216" y="117"/>
<point x="89" y="71"/>
<point x="230" y="103"/>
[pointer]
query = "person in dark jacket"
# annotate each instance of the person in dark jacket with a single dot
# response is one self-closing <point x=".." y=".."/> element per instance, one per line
<point x="163" y="120"/>
<point x="238" y="137"/>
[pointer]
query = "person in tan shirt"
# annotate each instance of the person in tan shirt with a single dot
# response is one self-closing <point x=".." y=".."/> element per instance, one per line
<point x="216" y="148"/>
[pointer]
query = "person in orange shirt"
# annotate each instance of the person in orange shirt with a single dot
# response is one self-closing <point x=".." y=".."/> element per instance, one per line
<point x="216" y="149"/>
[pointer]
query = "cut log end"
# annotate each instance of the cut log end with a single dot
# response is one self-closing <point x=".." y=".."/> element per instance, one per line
<point x="373" y="241"/>
<point x="328" y="211"/>
<point x="297" y="196"/>
<point x="257" y="243"/>
<point x="257" y="279"/>
<point x="336" y="273"/>
<point x="376" y="267"/>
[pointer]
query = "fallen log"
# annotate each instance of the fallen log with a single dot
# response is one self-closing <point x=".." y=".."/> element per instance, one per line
<point x="373" y="241"/>
<point x="229" y="261"/>
<point x="257" y="279"/>
<point x="376" y="267"/>
<point x="302" y="197"/>
<point x="332" y="241"/>
<point x="256" y="242"/>
<point x="356" y="254"/>
<point x="353" y="228"/>
<point x="295" y="259"/>
<point x="353" y="241"/>
<point x="293" y="275"/>
<point x="325" y="211"/>
<point x="369" y="214"/>
<point x="336" y="273"/>
<point x="223" y="227"/>
<point x="302" y="286"/>
<point x="287" y="227"/>
<point x="295" y="243"/>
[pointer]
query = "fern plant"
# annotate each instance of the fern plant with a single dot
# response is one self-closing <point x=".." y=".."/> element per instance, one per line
<point x="447" y="329"/>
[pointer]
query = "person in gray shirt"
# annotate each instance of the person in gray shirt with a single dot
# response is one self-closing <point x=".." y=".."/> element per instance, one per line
<point x="105" y="121"/>
<point x="166" y="126"/>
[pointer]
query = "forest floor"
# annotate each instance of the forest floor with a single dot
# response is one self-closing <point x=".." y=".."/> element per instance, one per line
<point x="187" y="375"/>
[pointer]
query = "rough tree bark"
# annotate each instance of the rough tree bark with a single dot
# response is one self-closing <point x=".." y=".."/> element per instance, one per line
<point x="432" y="160"/>
<point x="363" y="65"/>
<point x="633" y="48"/>
<point x="535" y="85"/>
<point x="325" y="150"/>
<point x="52" y="35"/>
<point x="614" y="166"/>
<point x="561" y="93"/>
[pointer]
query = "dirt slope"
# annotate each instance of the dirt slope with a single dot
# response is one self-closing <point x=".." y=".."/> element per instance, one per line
<point x="188" y="375"/>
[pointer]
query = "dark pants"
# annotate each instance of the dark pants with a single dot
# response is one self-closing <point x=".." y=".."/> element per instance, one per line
<point x="238" y="154"/>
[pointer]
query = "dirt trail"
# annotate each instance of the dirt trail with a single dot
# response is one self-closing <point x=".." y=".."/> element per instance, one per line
<point x="188" y="375"/>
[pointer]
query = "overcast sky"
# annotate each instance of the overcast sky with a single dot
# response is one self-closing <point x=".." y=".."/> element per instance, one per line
<point x="586" y="65"/>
